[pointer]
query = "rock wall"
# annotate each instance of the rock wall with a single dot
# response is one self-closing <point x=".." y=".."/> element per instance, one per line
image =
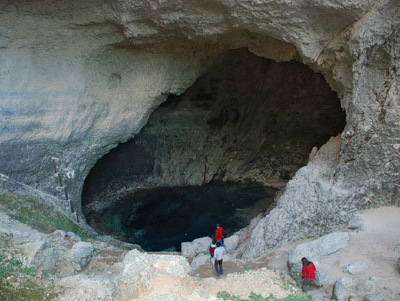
<point x="362" y="168"/>
<point x="77" y="78"/>
<point x="69" y="92"/>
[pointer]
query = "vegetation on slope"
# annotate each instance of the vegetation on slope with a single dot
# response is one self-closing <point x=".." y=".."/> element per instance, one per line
<point x="38" y="214"/>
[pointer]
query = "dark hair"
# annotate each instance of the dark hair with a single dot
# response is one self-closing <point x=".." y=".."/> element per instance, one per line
<point x="305" y="261"/>
<point x="218" y="225"/>
<point x="214" y="241"/>
<point x="218" y="244"/>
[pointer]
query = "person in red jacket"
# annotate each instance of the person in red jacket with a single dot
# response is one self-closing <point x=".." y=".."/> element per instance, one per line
<point x="307" y="273"/>
<point x="219" y="235"/>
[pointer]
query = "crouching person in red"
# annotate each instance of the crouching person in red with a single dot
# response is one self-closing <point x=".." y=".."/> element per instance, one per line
<point x="308" y="273"/>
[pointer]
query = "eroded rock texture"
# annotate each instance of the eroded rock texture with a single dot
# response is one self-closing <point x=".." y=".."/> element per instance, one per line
<point x="78" y="78"/>
<point x="247" y="119"/>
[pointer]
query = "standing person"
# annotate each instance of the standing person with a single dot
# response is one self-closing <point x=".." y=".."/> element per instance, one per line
<point x="307" y="273"/>
<point x="219" y="234"/>
<point x="219" y="253"/>
<point x="212" y="247"/>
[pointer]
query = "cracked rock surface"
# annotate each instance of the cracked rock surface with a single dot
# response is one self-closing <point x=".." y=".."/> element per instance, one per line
<point x="79" y="78"/>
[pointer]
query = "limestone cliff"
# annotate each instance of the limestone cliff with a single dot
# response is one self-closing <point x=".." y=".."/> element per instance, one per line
<point x="78" y="78"/>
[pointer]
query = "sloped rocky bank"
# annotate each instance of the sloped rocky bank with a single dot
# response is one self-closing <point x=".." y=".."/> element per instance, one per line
<point x="360" y="262"/>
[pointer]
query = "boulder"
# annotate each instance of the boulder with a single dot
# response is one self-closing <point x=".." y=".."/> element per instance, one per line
<point x="341" y="288"/>
<point x="366" y="287"/>
<point x="41" y="255"/>
<point x="356" y="267"/>
<point x="140" y="269"/>
<point x="338" y="291"/>
<point x="231" y="243"/>
<point x="323" y="246"/>
<point x="374" y="297"/>
<point x="200" y="260"/>
<point x="321" y="278"/>
<point x="229" y="257"/>
<point x="197" y="246"/>
<point x="82" y="253"/>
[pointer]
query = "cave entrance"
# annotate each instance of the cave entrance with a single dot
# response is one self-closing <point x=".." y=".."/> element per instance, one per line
<point x="161" y="218"/>
<point x="244" y="128"/>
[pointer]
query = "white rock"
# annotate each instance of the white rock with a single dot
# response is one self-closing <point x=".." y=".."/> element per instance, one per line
<point x="82" y="253"/>
<point x="200" y="260"/>
<point x="197" y="246"/>
<point x="231" y="243"/>
<point x="140" y="269"/>
<point x="356" y="267"/>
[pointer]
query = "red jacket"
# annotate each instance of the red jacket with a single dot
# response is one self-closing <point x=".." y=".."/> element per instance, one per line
<point x="308" y="271"/>
<point x="218" y="233"/>
<point x="212" y="250"/>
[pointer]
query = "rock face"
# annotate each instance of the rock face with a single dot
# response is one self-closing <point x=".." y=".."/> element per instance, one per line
<point x="78" y="78"/>
<point x="140" y="268"/>
<point x="233" y="143"/>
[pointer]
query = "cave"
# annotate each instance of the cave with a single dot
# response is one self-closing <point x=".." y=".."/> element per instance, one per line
<point x="221" y="152"/>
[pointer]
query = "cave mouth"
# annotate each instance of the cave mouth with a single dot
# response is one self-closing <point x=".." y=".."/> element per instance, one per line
<point x="160" y="219"/>
<point x="246" y="120"/>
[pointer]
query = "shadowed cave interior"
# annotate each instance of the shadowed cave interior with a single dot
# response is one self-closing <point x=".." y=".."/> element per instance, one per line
<point x="219" y="153"/>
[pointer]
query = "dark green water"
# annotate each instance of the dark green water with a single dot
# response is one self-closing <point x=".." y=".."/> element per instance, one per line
<point x="162" y="218"/>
